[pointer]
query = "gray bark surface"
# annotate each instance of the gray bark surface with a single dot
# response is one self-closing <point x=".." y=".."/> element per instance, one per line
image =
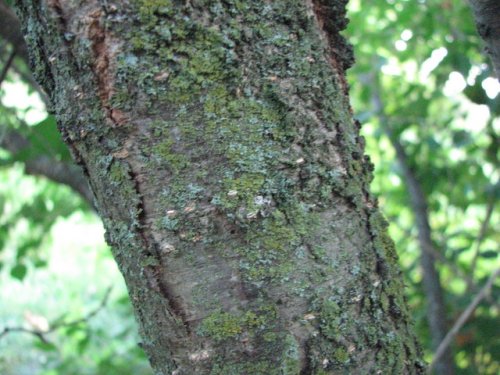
<point x="218" y="139"/>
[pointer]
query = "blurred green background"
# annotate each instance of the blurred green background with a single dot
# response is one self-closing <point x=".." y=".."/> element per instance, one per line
<point x="421" y="85"/>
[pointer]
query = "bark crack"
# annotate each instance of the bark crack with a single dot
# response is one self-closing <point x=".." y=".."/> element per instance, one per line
<point x="155" y="274"/>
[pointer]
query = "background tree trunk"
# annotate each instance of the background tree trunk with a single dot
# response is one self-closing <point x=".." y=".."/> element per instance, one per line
<point x="219" y="142"/>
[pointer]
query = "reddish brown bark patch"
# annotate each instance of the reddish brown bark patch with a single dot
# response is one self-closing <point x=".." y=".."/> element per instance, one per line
<point x="102" y="49"/>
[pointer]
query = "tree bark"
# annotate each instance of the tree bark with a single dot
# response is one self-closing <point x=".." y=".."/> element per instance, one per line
<point x="218" y="139"/>
<point x="487" y="17"/>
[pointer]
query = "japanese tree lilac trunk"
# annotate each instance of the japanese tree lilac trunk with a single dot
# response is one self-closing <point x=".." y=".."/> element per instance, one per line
<point x="219" y="142"/>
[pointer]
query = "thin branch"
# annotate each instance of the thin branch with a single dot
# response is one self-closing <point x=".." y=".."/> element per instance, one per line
<point x="7" y="65"/>
<point x="485" y="290"/>
<point x="482" y="233"/>
<point x="415" y="186"/>
<point x="55" y="326"/>
<point x="90" y="315"/>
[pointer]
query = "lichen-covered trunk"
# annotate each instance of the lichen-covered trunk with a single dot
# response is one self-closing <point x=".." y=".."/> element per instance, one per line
<point x="218" y="139"/>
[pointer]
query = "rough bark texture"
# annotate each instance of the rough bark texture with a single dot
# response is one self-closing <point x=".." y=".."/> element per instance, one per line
<point x="487" y="16"/>
<point x="218" y="140"/>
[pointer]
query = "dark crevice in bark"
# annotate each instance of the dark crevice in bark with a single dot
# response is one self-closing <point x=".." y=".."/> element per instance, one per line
<point x="56" y="6"/>
<point x="156" y="274"/>
<point x="306" y="368"/>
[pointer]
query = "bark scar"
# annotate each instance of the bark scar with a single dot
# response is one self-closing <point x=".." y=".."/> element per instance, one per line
<point x="101" y="66"/>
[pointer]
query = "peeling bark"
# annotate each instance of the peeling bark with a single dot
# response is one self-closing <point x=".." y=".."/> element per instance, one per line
<point x="218" y="139"/>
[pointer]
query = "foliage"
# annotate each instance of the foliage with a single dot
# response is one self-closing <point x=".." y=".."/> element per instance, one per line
<point x="421" y="58"/>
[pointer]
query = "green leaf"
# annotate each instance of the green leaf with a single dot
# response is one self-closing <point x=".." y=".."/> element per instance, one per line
<point x="45" y="346"/>
<point x="39" y="263"/>
<point x="83" y="344"/>
<point x="19" y="271"/>
<point x="45" y="141"/>
<point x="489" y="254"/>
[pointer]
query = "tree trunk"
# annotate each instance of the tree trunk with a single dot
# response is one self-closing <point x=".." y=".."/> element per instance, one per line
<point x="219" y="142"/>
<point x="487" y="17"/>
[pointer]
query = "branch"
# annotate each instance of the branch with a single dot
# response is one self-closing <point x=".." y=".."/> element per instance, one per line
<point x="10" y="29"/>
<point x="7" y="65"/>
<point x="482" y="233"/>
<point x="64" y="173"/>
<point x="53" y="327"/>
<point x="463" y="318"/>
